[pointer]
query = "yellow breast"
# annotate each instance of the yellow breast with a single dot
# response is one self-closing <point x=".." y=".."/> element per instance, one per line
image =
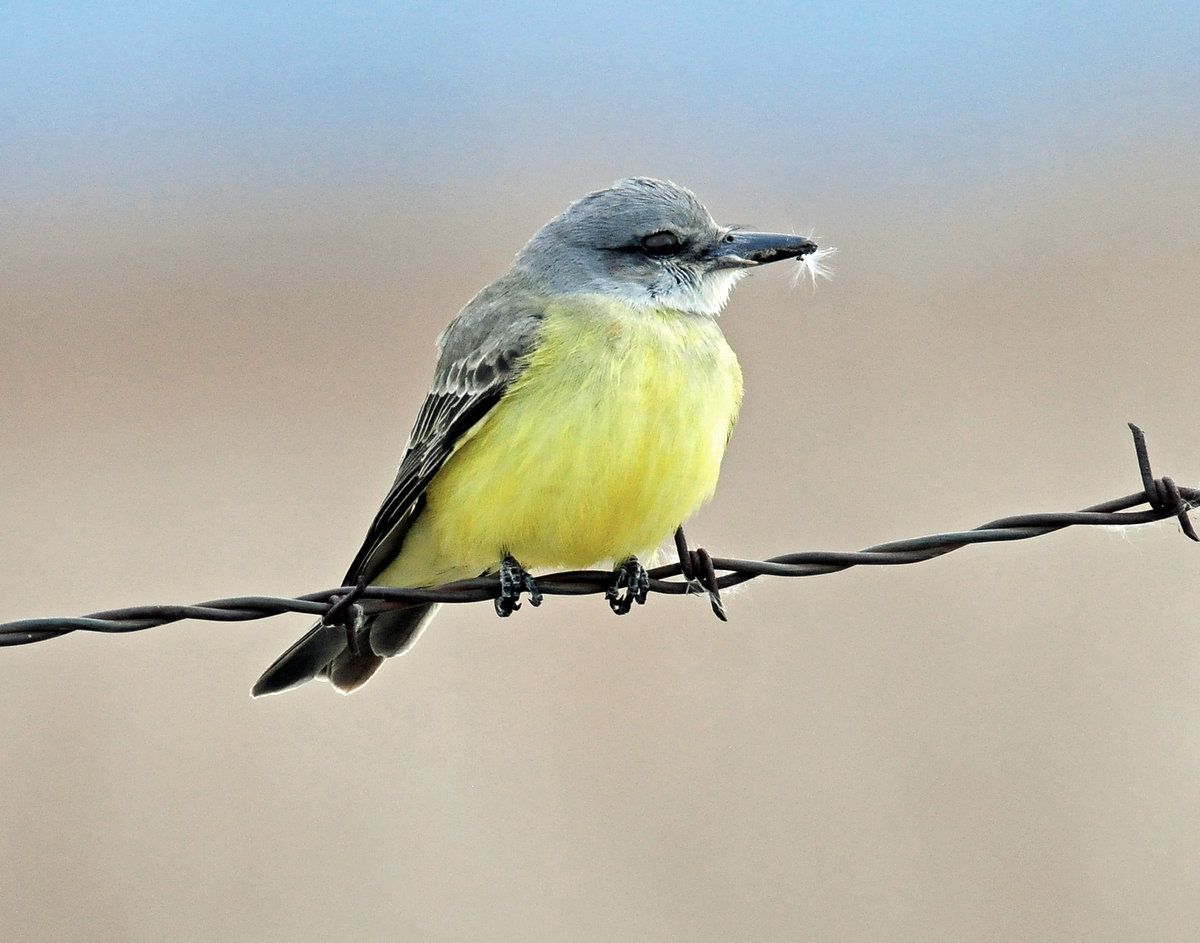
<point x="611" y="437"/>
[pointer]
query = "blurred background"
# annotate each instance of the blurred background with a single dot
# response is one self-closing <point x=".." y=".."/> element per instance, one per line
<point x="229" y="235"/>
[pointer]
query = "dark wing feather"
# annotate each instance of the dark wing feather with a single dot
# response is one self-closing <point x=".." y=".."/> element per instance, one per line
<point x="449" y="417"/>
<point x="480" y="354"/>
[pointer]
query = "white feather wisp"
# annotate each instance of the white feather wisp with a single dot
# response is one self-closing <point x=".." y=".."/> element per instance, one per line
<point x="815" y="265"/>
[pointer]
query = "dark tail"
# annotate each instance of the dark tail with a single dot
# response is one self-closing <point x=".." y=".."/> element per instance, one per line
<point x="324" y="652"/>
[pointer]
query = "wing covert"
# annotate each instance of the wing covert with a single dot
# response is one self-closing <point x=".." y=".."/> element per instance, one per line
<point x="481" y="353"/>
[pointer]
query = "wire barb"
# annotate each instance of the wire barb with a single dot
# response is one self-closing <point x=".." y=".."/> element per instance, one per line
<point x="345" y="611"/>
<point x="694" y="570"/>
<point x="698" y="569"/>
<point x="1162" y="493"/>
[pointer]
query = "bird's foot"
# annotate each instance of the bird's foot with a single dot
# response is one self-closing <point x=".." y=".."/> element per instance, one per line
<point x="514" y="580"/>
<point x="630" y="585"/>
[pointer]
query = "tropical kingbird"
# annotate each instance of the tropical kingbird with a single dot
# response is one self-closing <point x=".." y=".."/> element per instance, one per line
<point x="579" y="412"/>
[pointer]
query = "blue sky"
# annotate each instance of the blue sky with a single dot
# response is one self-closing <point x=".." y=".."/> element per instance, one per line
<point x="196" y="95"/>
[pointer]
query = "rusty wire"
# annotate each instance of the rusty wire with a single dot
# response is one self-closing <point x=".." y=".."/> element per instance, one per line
<point x="696" y="572"/>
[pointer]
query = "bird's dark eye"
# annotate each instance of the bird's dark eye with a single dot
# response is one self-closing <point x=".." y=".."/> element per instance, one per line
<point x="661" y="243"/>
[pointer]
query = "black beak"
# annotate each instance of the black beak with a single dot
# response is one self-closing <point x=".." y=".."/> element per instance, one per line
<point x="741" y="248"/>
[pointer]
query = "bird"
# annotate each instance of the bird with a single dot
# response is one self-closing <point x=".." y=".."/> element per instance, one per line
<point x="579" y="413"/>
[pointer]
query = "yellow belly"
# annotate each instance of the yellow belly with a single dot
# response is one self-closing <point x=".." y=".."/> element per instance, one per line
<point x="611" y="437"/>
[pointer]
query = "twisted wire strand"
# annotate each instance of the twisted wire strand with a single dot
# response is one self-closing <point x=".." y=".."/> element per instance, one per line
<point x="695" y="572"/>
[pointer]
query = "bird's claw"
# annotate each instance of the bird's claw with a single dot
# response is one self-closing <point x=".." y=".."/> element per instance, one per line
<point x="630" y="585"/>
<point x="514" y="580"/>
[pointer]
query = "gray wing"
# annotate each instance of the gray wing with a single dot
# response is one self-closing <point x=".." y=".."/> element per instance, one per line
<point x="480" y="354"/>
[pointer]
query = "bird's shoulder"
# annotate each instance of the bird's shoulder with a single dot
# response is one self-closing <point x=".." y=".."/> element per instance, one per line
<point x="486" y="343"/>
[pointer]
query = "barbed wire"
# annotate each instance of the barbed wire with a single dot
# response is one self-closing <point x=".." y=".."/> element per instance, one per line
<point x="697" y="571"/>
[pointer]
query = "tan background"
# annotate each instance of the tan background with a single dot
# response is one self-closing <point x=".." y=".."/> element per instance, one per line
<point x="203" y="392"/>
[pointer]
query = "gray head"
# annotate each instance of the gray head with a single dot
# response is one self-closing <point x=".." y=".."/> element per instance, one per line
<point x="650" y="243"/>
